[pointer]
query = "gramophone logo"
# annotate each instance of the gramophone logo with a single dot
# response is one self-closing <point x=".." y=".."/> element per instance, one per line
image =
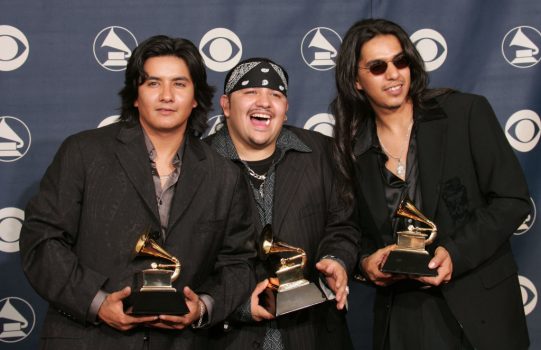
<point x="11" y="222"/>
<point x="523" y="130"/>
<point x="528" y="222"/>
<point x="520" y="46"/>
<point x="15" y="139"/>
<point x="431" y="46"/>
<point x="14" y="48"/>
<point x="109" y="120"/>
<point x="112" y="48"/>
<point x="221" y="49"/>
<point x="322" y="123"/>
<point x="319" y="48"/>
<point x="17" y="319"/>
<point x="214" y="123"/>
<point x="529" y="294"/>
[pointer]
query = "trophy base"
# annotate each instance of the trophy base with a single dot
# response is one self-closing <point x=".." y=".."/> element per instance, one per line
<point x="158" y="303"/>
<point x="408" y="263"/>
<point x="281" y="303"/>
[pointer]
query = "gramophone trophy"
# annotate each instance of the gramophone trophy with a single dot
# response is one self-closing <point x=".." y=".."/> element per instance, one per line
<point x="156" y="295"/>
<point x="289" y="291"/>
<point x="411" y="257"/>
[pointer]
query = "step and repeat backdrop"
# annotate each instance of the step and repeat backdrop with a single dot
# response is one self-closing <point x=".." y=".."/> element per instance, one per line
<point x="62" y="64"/>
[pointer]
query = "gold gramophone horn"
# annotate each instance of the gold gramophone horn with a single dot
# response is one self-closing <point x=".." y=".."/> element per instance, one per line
<point x="407" y="209"/>
<point x="148" y="247"/>
<point x="268" y="247"/>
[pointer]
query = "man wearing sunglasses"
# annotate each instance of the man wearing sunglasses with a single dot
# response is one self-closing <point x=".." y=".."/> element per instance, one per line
<point x="446" y="152"/>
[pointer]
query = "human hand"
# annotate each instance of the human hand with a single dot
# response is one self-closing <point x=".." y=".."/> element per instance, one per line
<point x="372" y="264"/>
<point x="337" y="280"/>
<point x="443" y="263"/>
<point x="180" y="322"/>
<point x="259" y="313"/>
<point x="112" y="312"/>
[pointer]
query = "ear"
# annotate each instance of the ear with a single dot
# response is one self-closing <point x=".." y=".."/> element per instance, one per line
<point x="358" y="84"/>
<point x="224" y="103"/>
<point x="194" y="104"/>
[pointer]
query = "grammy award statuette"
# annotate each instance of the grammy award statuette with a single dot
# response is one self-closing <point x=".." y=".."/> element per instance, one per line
<point x="154" y="294"/>
<point x="411" y="257"/>
<point x="288" y="290"/>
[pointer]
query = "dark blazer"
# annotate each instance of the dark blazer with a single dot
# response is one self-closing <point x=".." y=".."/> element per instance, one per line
<point x="306" y="214"/>
<point x="96" y="199"/>
<point x="473" y="189"/>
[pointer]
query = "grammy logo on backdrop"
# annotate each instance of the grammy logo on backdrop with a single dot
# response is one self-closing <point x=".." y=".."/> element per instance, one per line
<point x="156" y="295"/>
<point x="411" y="257"/>
<point x="289" y="291"/>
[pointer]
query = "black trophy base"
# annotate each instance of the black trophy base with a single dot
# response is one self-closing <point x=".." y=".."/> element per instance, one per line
<point x="281" y="303"/>
<point x="158" y="303"/>
<point x="408" y="263"/>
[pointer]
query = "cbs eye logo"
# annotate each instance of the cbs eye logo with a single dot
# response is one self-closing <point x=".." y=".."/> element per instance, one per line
<point x="221" y="49"/>
<point x="522" y="130"/>
<point x="431" y="46"/>
<point x="11" y="221"/>
<point x="529" y="294"/>
<point x="14" y="48"/>
<point x="528" y="222"/>
<point x="214" y="123"/>
<point x="322" y="123"/>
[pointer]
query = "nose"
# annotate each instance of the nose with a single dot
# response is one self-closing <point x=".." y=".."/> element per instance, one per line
<point x="166" y="94"/>
<point x="391" y="72"/>
<point x="263" y="99"/>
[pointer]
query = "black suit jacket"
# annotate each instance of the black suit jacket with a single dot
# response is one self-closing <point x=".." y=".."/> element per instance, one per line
<point x="307" y="214"/>
<point x="95" y="200"/>
<point x="473" y="189"/>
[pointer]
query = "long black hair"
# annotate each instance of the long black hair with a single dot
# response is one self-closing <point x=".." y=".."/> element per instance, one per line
<point x="351" y="107"/>
<point x="161" y="45"/>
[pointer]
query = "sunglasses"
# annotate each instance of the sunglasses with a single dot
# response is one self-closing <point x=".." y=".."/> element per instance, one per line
<point x="379" y="67"/>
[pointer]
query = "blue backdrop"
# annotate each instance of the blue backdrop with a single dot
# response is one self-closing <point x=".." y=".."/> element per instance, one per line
<point x="62" y="64"/>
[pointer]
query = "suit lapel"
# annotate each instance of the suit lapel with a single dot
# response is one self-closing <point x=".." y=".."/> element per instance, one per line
<point x="287" y="183"/>
<point x="191" y="177"/>
<point x="133" y="157"/>
<point x="370" y="183"/>
<point x="431" y="140"/>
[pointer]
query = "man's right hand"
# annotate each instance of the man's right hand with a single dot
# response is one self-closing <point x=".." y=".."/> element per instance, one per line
<point x="372" y="264"/>
<point x="259" y="313"/>
<point x="112" y="312"/>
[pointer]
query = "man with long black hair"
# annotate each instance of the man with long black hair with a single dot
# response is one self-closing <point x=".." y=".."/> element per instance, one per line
<point x="148" y="172"/>
<point x="445" y="151"/>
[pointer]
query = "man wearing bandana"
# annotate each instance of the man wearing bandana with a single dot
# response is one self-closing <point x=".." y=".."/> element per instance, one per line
<point x="293" y="187"/>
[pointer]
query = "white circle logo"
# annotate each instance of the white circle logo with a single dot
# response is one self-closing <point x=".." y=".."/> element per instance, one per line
<point x="109" y="120"/>
<point x="214" y="123"/>
<point x="432" y="47"/>
<point x="112" y="48"/>
<point x="14" y="48"/>
<point x="520" y="46"/>
<point x="523" y="130"/>
<point x="319" y="48"/>
<point x="528" y="222"/>
<point x="322" y="123"/>
<point x="221" y="49"/>
<point x="529" y="294"/>
<point x="17" y="321"/>
<point x="11" y="221"/>
<point x="15" y="139"/>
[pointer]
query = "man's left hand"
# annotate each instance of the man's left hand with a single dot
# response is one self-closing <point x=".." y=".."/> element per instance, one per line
<point x="181" y="322"/>
<point x="443" y="264"/>
<point x="337" y="280"/>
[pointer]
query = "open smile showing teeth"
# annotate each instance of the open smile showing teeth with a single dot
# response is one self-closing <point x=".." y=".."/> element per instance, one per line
<point x="261" y="118"/>
<point x="394" y="88"/>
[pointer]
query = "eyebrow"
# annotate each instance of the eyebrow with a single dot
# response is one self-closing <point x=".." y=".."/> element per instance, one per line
<point x="381" y="59"/>
<point x="179" y="78"/>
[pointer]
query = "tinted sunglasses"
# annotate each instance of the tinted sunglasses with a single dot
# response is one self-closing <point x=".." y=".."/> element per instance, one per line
<point x="379" y="67"/>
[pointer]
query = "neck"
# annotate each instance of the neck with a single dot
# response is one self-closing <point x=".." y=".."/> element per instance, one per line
<point x="165" y="144"/>
<point x="395" y="122"/>
<point x="252" y="154"/>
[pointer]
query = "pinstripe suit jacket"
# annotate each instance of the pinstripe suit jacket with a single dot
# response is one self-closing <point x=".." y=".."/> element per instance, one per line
<point x="306" y="214"/>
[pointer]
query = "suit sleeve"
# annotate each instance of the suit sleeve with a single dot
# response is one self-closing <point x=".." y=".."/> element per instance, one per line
<point x="49" y="234"/>
<point x="502" y="185"/>
<point x="233" y="276"/>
